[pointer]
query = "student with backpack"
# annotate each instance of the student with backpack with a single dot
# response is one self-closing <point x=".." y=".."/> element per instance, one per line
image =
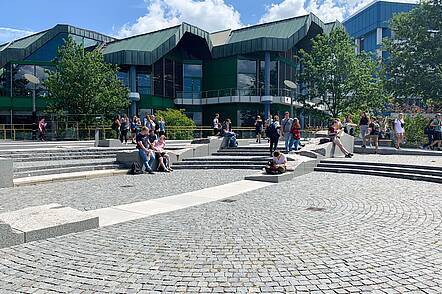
<point x="273" y="133"/>
<point x="374" y="131"/>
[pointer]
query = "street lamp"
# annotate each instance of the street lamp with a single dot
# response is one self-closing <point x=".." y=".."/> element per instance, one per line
<point x="292" y="86"/>
<point x="34" y="81"/>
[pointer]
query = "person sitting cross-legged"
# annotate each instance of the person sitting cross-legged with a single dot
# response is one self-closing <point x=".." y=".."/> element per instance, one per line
<point x="161" y="155"/>
<point x="277" y="165"/>
<point x="146" y="155"/>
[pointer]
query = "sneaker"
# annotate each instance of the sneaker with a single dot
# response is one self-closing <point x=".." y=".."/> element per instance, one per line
<point x="348" y="156"/>
<point x="171" y="169"/>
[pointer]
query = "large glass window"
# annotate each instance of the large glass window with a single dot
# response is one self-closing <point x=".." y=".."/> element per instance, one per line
<point x="168" y="78"/>
<point x="144" y="81"/>
<point x="273" y="77"/>
<point x="192" y="75"/>
<point x="42" y="73"/>
<point x="4" y="81"/>
<point x="158" y="79"/>
<point x="123" y="75"/>
<point x="247" y="82"/>
<point x="21" y="87"/>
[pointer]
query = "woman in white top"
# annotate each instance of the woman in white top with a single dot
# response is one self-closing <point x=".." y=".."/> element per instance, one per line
<point x="399" y="130"/>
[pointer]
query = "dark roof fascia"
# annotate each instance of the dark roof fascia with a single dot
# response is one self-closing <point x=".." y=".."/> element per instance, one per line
<point x="267" y="43"/>
<point x="136" y="57"/>
<point x="21" y="53"/>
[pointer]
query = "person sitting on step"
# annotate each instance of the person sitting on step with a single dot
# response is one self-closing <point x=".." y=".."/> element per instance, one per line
<point x="277" y="165"/>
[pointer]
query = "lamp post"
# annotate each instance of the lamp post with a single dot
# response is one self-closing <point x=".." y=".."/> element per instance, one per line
<point x="292" y="86"/>
<point x="34" y="81"/>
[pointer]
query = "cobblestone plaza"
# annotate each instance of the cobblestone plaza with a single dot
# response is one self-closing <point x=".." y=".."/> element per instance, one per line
<point x="319" y="233"/>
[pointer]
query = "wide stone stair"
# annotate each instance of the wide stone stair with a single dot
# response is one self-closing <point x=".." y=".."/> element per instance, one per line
<point x="243" y="157"/>
<point x="390" y="170"/>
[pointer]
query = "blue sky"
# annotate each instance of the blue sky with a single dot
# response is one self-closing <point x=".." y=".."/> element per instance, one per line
<point x="123" y="18"/>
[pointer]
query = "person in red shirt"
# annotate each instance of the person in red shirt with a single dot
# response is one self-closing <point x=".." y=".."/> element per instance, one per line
<point x="296" y="132"/>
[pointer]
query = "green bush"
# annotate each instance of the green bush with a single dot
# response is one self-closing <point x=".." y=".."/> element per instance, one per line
<point x="178" y="125"/>
<point x="414" y="130"/>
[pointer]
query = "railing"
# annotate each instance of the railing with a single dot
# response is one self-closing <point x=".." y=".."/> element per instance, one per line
<point x="231" y="92"/>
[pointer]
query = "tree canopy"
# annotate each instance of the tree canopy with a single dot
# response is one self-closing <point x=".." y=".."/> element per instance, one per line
<point x="335" y="76"/>
<point x="83" y="85"/>
<point x="415" y="63"/>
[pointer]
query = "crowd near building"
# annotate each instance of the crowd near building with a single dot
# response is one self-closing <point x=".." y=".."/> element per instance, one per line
<point x="239" y="73"/>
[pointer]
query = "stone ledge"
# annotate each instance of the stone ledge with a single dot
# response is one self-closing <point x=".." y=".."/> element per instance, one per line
<point x="10" y="237"/>
<point x="6" y="173"/>
<point x="46" y="221"/>
<point x="110" y="143"/>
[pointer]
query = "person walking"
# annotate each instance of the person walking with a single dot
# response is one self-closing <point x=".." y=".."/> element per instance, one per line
<point x="216" y="125"/>
<point x="399" y="130"/>
<point x="286" y="126"/>
<point x="363" y="126"/>
<point x="116" y="125"/>
<point x="334" y="133"/>
<point x="42" y="129"/>
<point x="258" y="128"/>
<point x="436" y="124"/>
<point x="296" y="134"/>
<point x="374" y="131"/>
<point x="274" y="134"/>
<point x="124" y="128"/>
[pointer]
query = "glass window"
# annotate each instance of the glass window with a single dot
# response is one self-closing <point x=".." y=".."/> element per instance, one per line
<point x="42" y="73"/>
<point x="158" y="79"/>
<point x="5" y="80"/>
<point x="20" y="86"/>
<point x="247" y="84"/>
<point x="273" y="77"/>
<point x="144" y="83"/>
<point x="193" y="70"/>
<point x="168" y="78"/>
<point x="192" y="75"/>
<point x="247" y="66"/>
<point x="123" y="76"/>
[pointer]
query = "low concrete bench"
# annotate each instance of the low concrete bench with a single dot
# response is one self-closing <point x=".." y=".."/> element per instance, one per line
<point x="42" y="222"/>
<point x="6" y="173"/>
<point x="110" y="143"/>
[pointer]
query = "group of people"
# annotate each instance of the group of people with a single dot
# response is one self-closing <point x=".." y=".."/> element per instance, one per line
<point x="151" y="147"/>
<point x="126" y="128"/>
<point x="433" y="130"/>
<point x="224" y="130"/>
<point x="288" y="127"/>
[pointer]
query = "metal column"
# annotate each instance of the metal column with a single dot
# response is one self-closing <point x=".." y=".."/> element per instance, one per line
<point x="133" y="89"/>
<point x="267" y="85"/>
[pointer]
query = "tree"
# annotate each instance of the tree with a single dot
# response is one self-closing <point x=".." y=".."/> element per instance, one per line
<point x="178" y="125"/>
<point x="335" y="76"/>
<point x="415" y="62"/>
<point x="83" y="85"/>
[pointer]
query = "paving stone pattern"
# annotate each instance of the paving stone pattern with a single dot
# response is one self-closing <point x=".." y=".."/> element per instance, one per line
<point x="109" y="191"/>
<point x="303" y="236"/>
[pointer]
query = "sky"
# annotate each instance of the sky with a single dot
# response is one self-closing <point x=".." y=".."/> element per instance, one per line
<point x="123" y="18"/>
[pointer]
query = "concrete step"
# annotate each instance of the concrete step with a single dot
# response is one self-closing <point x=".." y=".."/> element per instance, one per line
<point x="72" y="157"/>
<point x="400" y="175"/>
<point x="394" y="151"/>
<point x="62" y="164"/>
<point x="56" y="154"/>
<point x="64" y="170"/>
<point x="219" y="162"/>
<point x="218" y="166"/>
<point x="384" y="164"/>
<point x="251" y="154"/>
<point x="421" y="171"/>
<point x="231" y="158"/>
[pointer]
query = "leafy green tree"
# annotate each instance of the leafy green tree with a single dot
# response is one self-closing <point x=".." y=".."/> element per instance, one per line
<point x="178" y="125"/>
<point x="83" y="85"/>
<point x="416" y="52"/>
<point x="414" y="129"/>
<point x="337" y="77"/>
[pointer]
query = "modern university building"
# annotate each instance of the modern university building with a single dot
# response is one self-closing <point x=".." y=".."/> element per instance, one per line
<point x="237" y="73"/>
<point x="231" y="72"/>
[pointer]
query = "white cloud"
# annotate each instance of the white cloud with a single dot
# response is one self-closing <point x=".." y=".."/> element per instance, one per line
<point x="10" y="34"/>
<point x="326" y="10"/>
<point x="210" y="15"/>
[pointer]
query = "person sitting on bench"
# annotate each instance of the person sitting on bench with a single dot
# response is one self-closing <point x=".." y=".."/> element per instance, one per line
<point x="277" y="165"/>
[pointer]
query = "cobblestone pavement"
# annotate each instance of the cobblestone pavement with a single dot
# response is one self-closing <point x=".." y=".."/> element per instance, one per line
<point x="401" y="159"/>
<point x="109" y="191"/>
<point x="303" y="236"/>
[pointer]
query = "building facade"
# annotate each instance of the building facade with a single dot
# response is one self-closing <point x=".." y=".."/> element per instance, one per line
<point x="237" y="73"/>
<point x="369" y="26"/>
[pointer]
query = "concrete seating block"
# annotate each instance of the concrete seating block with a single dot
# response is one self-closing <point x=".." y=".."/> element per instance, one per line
<point x="110" y="143"/>
<point x="6" y="173"/>
<point x="179" y="155"/>
<point x="287" y="176"/>
<point x="10" y="237"/>
<point x="47" y="221"/>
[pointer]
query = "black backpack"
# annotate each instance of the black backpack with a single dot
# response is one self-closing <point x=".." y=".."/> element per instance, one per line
<point x="136" y="169"/>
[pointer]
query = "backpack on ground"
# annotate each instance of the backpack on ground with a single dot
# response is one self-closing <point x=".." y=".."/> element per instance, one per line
<point x="233" y="143"/>
<point x="136" y="169"/>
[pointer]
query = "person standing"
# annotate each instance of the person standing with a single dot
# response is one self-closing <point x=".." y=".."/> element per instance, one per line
<point x="42" y="129"/>
<point x="216" y="124"/>
<point x="258" y="128"/>
<point x="124" y="128"/>
<point x="334" y="133"/>
<point x="274" y="134"/>
<point x="363" y="126"/>
<point x="296" y="133"/>
<point x="399" y="130"/>
<point x="374" y="131"/>
<point x="286" y="126"/>
<point x="116" y="125"/>
<point x="162" y="126"/>
<point x="436" y="124"/>
<point x="349" y="126"/>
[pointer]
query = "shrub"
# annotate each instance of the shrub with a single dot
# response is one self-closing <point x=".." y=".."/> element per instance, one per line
<point x="414" y="129"/>
<point x="178" y="125"/>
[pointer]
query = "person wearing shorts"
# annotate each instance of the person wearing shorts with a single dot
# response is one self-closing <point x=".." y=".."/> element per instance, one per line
<point x="436" y="124"/>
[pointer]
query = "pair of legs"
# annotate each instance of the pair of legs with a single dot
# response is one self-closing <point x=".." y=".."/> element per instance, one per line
<point x="364" y="129"/>
<point x="399" y="140"/>
<point x="275" y="169"/>
<point x="288" y="138"/>
<point x="338" y="143"/>
<point x="375" y="139"/>
<point x="163" y="161"/>
<point x="273" y="144"/>
<point x="123" y="136"/>
<point x="147" y="159"/>
<point x="258" y="136"/>
<point x="437" y="136"/>
<point x="295" y="144"/>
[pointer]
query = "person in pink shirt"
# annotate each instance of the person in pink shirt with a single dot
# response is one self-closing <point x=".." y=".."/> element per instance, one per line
<point x="160" y="154"/>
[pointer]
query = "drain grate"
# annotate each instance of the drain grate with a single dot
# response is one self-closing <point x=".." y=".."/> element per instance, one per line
<point x="228" y="200"/>
<point x="315" y="209"/>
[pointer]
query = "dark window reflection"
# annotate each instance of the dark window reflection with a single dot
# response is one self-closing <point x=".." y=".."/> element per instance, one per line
<point x="192" y="75"/>
<point x="144" y="81"/>
<point x="247" y="82"/>
<point x="168" y="78"/>
<point x="158" y="78"/>
<point x="123" y="75"/>
<point x="273" y="77"/>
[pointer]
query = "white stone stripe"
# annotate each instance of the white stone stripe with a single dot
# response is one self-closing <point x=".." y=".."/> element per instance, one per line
<point x="127" y="212"/>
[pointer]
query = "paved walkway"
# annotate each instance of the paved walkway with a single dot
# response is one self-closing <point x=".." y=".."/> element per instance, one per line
<point x="404" y="159"/>
<point x="304" y="236"/>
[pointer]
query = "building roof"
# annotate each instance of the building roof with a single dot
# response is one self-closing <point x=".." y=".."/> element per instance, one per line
<point x="220" y="38"/>
<point x="362" y="9"/>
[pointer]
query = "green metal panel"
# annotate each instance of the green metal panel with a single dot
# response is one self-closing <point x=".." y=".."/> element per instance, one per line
<point x="25" y="42"/>
<point x="155" y="102"/>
